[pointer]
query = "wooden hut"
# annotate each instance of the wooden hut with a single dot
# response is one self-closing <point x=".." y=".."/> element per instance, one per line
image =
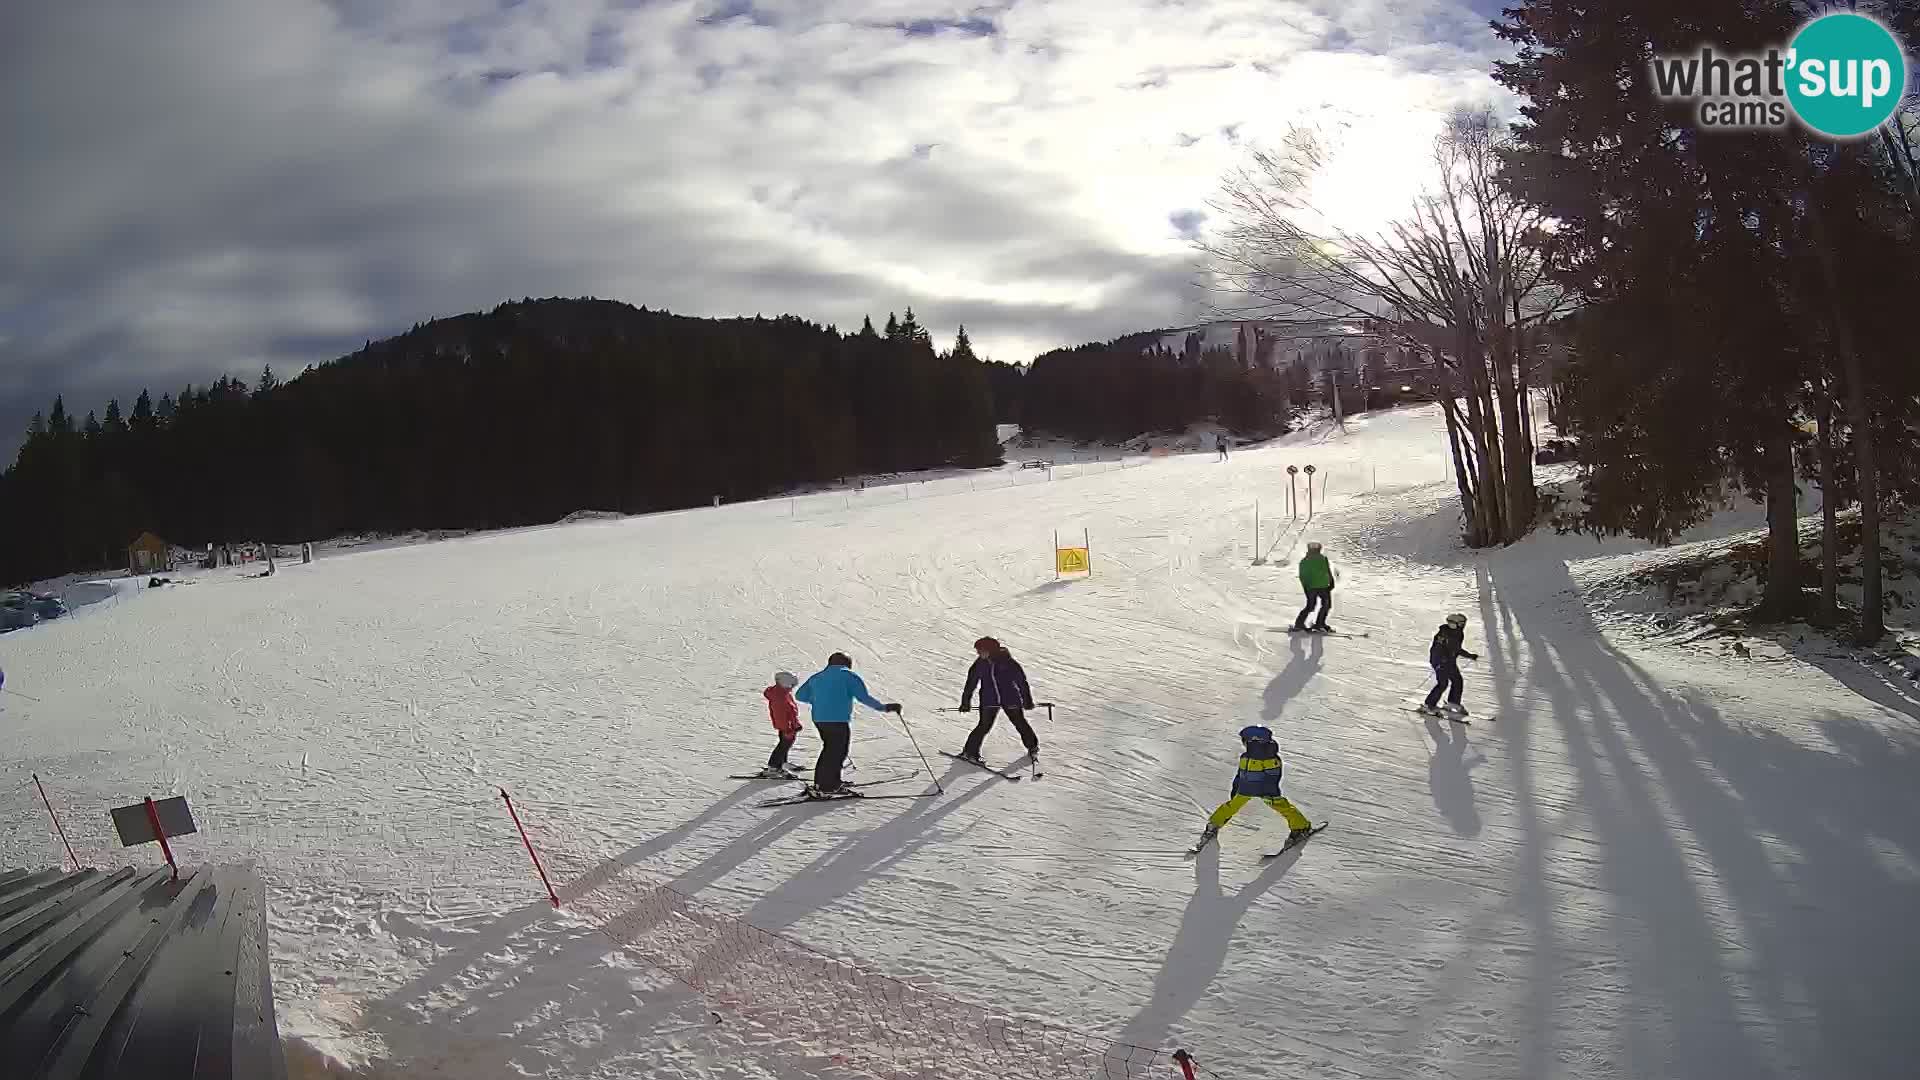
<point x="149" y="554"/>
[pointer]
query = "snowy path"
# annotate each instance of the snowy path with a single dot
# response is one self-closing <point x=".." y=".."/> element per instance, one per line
<point x="1648" y="865"/>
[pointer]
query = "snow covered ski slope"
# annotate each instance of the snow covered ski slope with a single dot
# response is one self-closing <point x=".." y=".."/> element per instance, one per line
<point x="1653" y="865"/>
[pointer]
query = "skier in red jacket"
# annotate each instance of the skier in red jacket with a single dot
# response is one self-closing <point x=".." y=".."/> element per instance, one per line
<point x="786" y="721"/>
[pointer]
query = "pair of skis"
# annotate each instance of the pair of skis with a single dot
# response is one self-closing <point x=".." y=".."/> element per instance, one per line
<point x="849" y="793"/>
<point x="793" y="775"/>
<point x="1457" y="718"/>
<point x="1321" y="633"/>
<point x="1284" y="848"/>
<point x="1033" y="767"/>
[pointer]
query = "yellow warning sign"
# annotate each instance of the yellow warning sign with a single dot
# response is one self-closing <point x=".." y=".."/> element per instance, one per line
<point x="1072" y="560"/>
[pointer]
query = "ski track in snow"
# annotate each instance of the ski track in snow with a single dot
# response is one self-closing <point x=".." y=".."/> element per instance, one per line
<point x="1652" y="863"/>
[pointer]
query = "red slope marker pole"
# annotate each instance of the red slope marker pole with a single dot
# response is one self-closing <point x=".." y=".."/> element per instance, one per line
<point x="1185" y="1061"/>
<point x="160" y="834"/>
<point x="56" y="820"/>
<point x="551" y="895"/>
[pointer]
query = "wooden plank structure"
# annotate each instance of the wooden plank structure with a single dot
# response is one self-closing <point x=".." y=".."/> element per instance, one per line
<point x="116" y="974"/>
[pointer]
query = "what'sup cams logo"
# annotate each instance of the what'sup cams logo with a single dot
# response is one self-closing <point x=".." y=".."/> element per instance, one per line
<point x="1842" y="76"/>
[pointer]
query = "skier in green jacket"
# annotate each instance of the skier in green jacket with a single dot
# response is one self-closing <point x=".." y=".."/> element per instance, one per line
<point x="1316" y="577"/>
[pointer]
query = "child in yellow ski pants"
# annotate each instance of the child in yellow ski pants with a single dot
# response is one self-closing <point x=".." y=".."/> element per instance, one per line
<point x="1295" y="819"/>
<point x="1257" y="778"/>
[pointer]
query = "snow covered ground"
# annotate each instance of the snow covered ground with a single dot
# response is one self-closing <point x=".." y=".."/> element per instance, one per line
<point x="1653" y="862"/>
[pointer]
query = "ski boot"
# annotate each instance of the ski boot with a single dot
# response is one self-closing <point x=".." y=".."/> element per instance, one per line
<point x="1323" y="628"/>
<point x="841" y="792"/>
<point x="1295" y="836"/>
<point x="772" y="773"/>
<point x="1456" y="709"/>
<point x="1207" y="836"/>
<point x="1429" y="710"/>
<point x="971" y="759"/>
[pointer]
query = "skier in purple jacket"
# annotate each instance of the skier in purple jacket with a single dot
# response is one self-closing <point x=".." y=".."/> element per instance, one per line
<point x="1002" y="685"/>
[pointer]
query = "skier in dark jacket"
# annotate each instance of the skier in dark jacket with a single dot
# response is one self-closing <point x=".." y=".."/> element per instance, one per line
<point x="1449" y="645"/>
<point x="1003" y="685"/>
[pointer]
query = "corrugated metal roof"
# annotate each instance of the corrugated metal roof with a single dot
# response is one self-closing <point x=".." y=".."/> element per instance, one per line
<point x="108" y="974"/>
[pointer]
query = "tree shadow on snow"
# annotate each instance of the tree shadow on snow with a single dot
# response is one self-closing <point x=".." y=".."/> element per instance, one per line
<point x="1758" y="930"/>
<point x="1871" y="682"/>
<point x="1200" y="946"/>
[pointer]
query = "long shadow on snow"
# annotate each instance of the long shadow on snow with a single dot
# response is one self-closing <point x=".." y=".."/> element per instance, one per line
<point x="1450" y="775"/>
<point x="604" y="874"/>
<point x="1302" y="666"/>
<point x="1896" y="694"/>
<point x="1200" y="946"/>
<point x="1680" y="800"/>
<point x="845" y="868"/>
<point x="534" y="995"/>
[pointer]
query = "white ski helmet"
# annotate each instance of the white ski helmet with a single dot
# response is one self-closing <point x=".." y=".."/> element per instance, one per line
<point x="786" y="679"/>
<point x="1456" y="619"/>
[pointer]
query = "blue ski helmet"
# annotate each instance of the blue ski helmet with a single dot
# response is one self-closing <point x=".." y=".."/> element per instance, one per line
<point x="1254" y="732"/>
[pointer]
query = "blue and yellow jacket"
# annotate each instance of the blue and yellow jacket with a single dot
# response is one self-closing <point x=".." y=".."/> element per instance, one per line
<point x="1259" y="774"/>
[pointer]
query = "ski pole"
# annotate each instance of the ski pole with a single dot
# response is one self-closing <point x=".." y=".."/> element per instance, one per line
<point x="902" y="714"/>
<point x="18" y="694"/>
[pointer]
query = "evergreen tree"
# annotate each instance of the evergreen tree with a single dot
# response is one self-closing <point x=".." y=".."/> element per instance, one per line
<point x="893" y="327"/>
<point x="425" y="430"/>
<point x="1713" y="266"/>
<point x="866" y="328"/>
<point x="912" y="332"/>
<point x="962" y="347"/>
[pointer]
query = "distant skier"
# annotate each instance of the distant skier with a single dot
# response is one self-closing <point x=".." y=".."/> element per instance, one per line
<point x="1316" y="578"/>
<point x="831" y="692"/>
<point x="1220" y="445"/>
<point x="786" y="722"/>
<point x="1258" y="778"/>
<point x="1449" y="645"/>
<point x="1003" y="685"/>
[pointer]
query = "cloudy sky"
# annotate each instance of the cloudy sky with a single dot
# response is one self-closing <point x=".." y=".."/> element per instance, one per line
<point x="206" y="186"/>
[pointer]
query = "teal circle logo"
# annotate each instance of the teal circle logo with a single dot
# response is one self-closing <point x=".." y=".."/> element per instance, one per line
<point x="1846" y="75"/>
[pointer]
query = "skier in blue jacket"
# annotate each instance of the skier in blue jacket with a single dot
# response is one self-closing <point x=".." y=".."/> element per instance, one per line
<point x="831" y="692"/>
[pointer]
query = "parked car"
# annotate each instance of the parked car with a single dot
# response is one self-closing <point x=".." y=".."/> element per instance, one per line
<point x="16" y="612"/>
<point x="47" y="607"/>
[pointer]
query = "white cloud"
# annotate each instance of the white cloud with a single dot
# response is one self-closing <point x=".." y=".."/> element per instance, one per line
<point x="213" y="184"/>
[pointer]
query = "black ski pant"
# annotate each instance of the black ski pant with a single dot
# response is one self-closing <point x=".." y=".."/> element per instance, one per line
<point x="779" y="758"/>
<point x="987" y="715"/>
<point x="1322" y="597"/>
<point x="834" y="740"/>
<point x="1446" y="674"/>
